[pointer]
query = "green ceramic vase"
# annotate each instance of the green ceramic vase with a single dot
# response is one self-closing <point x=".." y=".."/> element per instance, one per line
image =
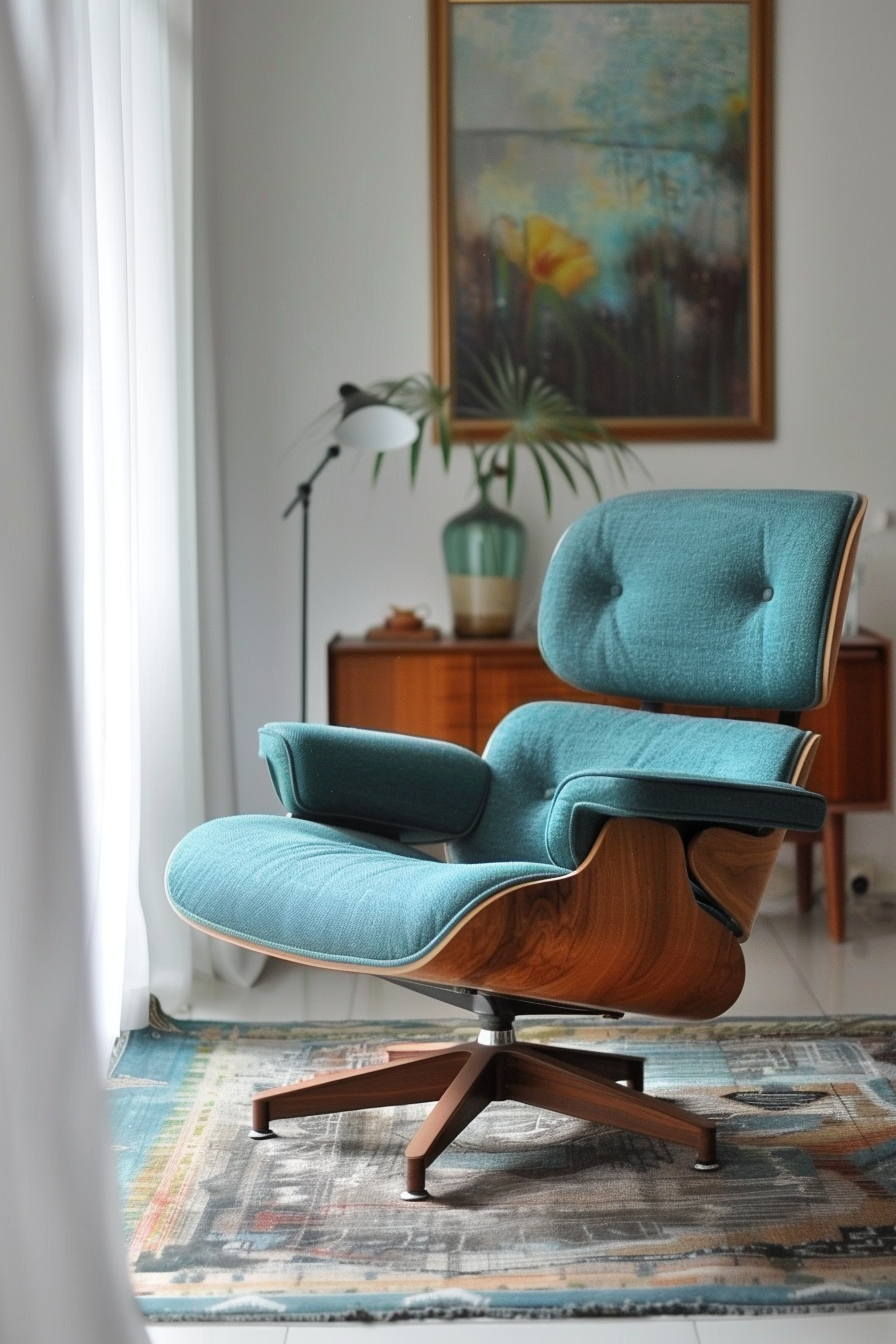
<point x="485" y="549"/>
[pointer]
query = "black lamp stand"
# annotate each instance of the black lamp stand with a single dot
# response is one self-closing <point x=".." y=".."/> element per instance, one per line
<point x="303" y="497"/>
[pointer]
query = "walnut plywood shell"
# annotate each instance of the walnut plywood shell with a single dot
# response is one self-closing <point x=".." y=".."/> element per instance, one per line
<point x="840" y="599"/>
<point x="622" y="932"/>
<point x="735" y="868"/>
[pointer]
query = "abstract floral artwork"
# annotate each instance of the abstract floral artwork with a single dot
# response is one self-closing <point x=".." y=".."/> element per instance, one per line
<point x="601" y="208"/>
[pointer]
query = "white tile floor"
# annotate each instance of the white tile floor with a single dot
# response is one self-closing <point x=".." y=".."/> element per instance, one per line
<point x="792" y="970"/>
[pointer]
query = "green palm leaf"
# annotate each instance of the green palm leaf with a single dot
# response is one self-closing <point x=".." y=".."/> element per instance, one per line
<point x="555" y="453"/>
<point x="536" y="417"/>
<point x="544" y="474"/>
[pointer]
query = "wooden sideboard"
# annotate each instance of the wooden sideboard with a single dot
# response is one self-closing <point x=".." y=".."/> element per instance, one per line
<point x="460" y="689"/>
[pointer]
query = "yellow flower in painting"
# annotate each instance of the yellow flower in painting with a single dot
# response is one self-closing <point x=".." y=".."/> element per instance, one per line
<point x="737" y="104"/>
<point x="548" y="253"/>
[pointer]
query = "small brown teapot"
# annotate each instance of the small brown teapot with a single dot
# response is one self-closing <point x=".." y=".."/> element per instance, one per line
<point x="404" y="619"/>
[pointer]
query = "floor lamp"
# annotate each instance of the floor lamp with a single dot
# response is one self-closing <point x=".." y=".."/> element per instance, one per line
<point x="368" y="425"/>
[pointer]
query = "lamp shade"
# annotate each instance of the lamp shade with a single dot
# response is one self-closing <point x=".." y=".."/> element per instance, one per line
<point x="371" y="425"/>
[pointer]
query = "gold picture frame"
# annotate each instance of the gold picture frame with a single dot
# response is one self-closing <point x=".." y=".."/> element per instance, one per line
<point x="602" y="209"/>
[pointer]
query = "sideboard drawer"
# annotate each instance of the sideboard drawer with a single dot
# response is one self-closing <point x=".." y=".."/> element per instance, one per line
<point x="404" y="691"/>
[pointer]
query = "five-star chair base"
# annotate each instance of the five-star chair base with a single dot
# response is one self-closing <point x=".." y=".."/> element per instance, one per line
<point x="464" y="1079"/>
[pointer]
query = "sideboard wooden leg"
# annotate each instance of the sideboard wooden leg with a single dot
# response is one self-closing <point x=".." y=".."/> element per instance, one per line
<point x="805" y="850"/>
<point x="834" y="836"/>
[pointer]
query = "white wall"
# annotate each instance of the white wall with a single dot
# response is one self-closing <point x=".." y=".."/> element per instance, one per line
<point x="316" y="162"/>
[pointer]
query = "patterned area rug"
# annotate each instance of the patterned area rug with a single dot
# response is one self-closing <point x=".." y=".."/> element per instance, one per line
<point x="532" y="1214"/>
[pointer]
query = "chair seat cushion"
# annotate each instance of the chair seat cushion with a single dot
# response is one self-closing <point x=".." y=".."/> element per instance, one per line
<point x="311" y="890"/>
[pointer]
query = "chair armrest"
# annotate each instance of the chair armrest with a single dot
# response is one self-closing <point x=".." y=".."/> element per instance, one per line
<point x="414" y="789"/>
<point x="583" y="801"/>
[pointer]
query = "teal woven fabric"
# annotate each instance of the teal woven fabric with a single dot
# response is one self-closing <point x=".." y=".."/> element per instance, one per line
<point x="317" y="891"/>
<point x="712" y="597"/>
<point x="715" y="597"/>
<point x="341" y="896"/>
<point x="538" y="746"/>
<point x="583" y="802"/>
<point x="413" y="788"/>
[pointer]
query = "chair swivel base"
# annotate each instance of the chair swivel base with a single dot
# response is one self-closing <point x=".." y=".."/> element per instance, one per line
<point x="464" y="1079"/>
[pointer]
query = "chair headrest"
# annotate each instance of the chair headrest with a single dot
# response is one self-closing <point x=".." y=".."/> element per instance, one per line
<point x="706" y="597"/>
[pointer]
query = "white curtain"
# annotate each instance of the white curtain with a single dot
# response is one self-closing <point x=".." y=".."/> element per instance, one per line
<point x="141" y="659"/>
<point x="104" y="69"/>
<point x="237" y="965"/>
<point x="186" y="768"/>
<point x="62" y="1272"/>
<point x="110" y="84"/>
<point x="101" y="714"/>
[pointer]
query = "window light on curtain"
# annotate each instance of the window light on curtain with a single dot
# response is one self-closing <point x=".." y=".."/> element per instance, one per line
<point x="141" y="539"/>
<point x="62" y="1271"/>
<point x="101" y="559"/>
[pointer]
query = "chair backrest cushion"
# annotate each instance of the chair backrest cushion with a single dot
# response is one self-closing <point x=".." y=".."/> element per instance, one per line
<point x="710" y="597"/>
<point x="539" y="746"/>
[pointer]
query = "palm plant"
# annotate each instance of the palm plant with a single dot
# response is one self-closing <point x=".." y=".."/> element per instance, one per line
<point x="536" y="418"/>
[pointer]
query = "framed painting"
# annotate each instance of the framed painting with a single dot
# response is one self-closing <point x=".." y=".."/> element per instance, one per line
<point x="602" y="210"/>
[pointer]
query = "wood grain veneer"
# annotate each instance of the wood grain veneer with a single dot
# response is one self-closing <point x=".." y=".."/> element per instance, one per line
<point x="841" y="597"/>
<point x="517" y="679"/>
<point x="460" y="690"/>
<point x="464" y="1079"/>
<point x="852" y="766"/>
<point x="623" y="931"/>
<point x="428" y="697"/>
<point x="735" y="868"/>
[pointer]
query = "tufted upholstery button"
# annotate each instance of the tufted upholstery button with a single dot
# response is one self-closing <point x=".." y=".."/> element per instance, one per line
<point x="615" y="589"/>
<point x="768" y="594"/>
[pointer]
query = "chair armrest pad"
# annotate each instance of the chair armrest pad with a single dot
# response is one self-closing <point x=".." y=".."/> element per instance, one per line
<point x="413" y="788"/>
<point x="583" y="801"/>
